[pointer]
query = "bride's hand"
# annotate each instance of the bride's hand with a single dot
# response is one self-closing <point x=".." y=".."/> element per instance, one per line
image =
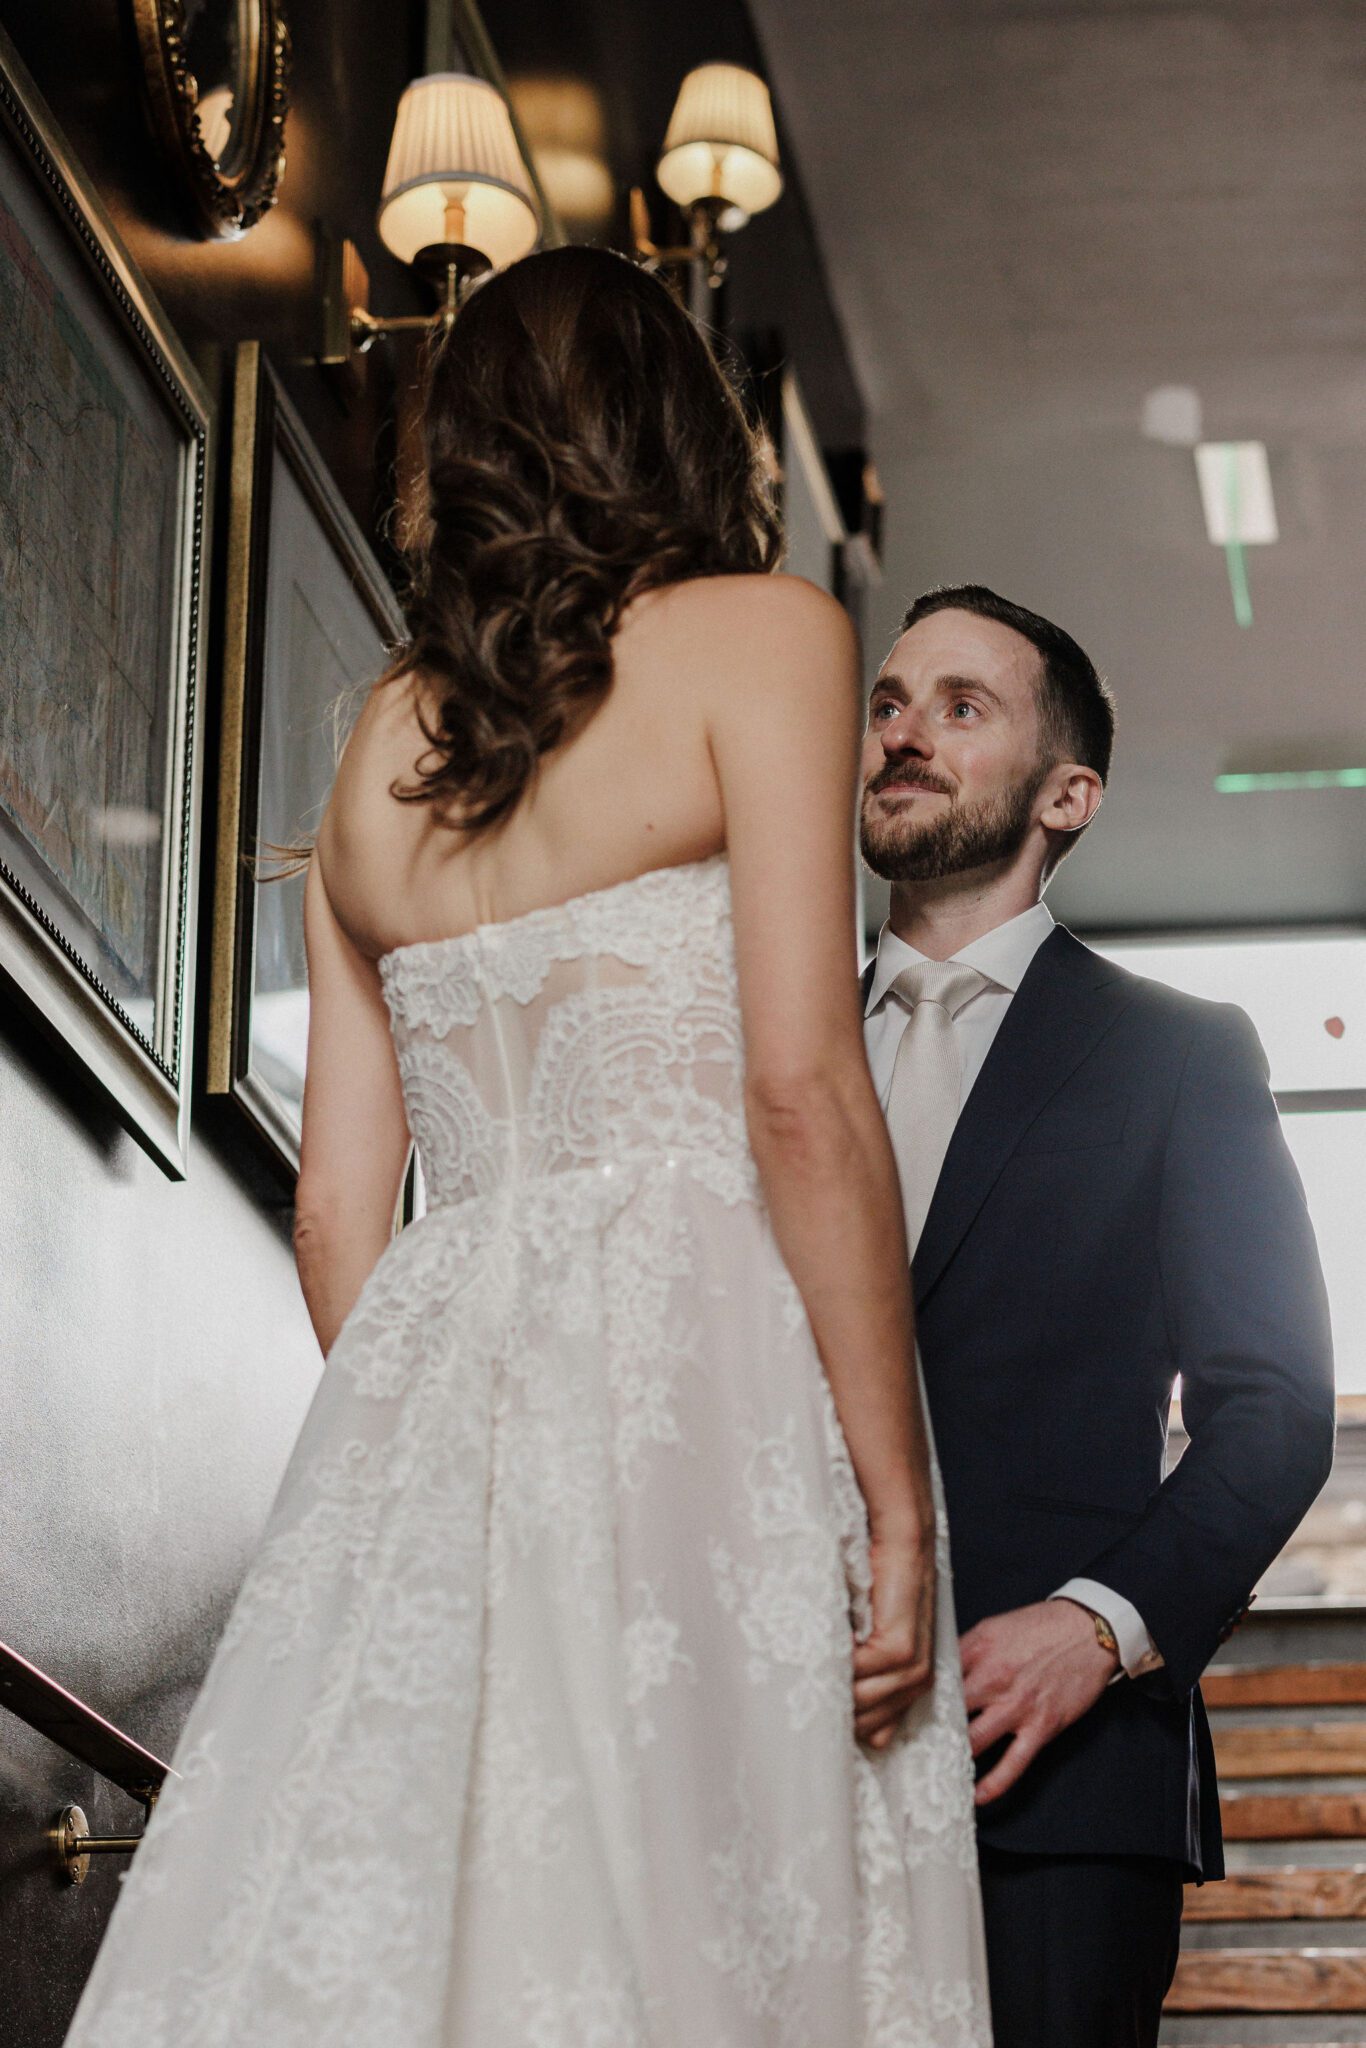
<point x="895" y="1664"/>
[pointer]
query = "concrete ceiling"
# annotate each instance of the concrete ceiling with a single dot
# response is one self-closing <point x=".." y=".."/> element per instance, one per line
<point x="1034" y="214"/>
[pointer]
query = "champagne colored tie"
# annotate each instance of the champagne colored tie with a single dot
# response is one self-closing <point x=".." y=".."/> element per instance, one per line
<point x="927" y="1080"/>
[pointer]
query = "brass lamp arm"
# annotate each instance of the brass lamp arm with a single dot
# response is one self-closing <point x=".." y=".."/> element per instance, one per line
<point x="367" y="327"/>
<point x="703" y="250"/>
<point x="450" y="267"/>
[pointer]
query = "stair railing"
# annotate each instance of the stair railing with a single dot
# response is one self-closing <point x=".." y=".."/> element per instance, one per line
<point x="48" y="1707"/>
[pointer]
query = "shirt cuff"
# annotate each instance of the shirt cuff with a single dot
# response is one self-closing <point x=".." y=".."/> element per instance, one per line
<point x="1137" y="1650"/>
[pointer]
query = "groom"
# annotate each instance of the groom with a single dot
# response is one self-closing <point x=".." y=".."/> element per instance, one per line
<point x="1098" y="1199"/>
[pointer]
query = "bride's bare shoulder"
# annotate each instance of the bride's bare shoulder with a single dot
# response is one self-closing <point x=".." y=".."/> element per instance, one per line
<point x="385" y="744"/>
<point x="389" y="736"/>
<point x="745" y="642"/>
<point x="743" y="611"/>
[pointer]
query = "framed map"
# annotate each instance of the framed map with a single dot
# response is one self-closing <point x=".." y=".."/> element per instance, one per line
<point x="310" y="617"/>
<point x="104" y="442"/>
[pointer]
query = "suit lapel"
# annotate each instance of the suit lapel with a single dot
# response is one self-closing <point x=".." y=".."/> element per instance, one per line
<point x="1066" y="1003"/>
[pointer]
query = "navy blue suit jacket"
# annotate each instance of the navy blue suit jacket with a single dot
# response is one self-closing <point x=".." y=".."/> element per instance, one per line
<point x="1118" y="1206"/>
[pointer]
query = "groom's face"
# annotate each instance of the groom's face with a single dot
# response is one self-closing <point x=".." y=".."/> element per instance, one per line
<point x="951" y="754"/>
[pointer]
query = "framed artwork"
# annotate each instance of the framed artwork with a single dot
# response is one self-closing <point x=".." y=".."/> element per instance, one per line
<point x="104" y="450"/>
<point x="309" y="620"/>
<point x="817" y="545"/>
<point x="814" y="532"/>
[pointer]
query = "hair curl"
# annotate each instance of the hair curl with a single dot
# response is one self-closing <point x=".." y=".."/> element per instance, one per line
<point x="582" y="446"/>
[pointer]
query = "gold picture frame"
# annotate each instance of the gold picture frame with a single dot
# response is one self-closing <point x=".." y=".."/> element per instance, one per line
<point x="309" y="618"/>
<point x="216" y="87"/>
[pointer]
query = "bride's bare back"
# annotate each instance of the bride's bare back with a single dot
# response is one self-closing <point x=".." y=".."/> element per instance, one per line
<point x="638" y="788"/>
<point x="731" y="723"/>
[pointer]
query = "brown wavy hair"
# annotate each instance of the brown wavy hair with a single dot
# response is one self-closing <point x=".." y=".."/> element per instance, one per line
<point x="582" y="446"/>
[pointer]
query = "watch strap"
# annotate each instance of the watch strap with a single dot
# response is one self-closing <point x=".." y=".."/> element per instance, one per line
<point x="1105" y="1635"/>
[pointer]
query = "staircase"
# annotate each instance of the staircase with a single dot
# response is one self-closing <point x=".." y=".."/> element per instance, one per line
<point x="1275" y="1957"/>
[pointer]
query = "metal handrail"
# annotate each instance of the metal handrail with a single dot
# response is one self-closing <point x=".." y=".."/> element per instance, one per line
<point x="77" y="1728"/>
<point x="49" y="1708"/>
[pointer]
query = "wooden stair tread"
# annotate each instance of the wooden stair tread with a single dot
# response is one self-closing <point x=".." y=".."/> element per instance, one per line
<point x="1330" y="1749"/>
<point x="1215" y="1980"/>
<point x="1293" y="1816"/>
<point x="1220" y="1983"/>
<point x="1285" y="1685"/>
<point x="1281" y="1893"/>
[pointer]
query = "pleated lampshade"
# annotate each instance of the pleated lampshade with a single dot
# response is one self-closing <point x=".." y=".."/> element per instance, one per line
<point x="721" y="142"/>
<point x="455" y="173"/>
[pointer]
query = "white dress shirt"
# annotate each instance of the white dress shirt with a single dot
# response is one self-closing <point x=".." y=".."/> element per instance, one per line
<point x="1003" y="956"/>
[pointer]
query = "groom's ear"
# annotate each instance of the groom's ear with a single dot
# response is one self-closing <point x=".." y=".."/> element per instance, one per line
<point x="1072" y="797"/>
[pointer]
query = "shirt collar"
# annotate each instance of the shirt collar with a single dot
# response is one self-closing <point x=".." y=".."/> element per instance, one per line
<point x="1003" y="955"/>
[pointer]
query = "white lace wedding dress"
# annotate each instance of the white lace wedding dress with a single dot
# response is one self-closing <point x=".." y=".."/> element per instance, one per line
<point x="532" y="1725"/>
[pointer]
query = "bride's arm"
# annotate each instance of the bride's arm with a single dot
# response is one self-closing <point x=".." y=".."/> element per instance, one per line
<point x="355" y="1135"/>
<point x="784" y="737"/>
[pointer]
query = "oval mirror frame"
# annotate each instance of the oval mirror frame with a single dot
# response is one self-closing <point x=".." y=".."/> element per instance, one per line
<point x="225" y="204"/>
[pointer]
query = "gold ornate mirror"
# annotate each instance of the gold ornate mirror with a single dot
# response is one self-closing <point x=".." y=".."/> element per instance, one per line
<point x="216" y="74"/>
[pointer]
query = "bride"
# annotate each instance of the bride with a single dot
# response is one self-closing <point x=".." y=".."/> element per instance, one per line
<point x="590" y="1688"/>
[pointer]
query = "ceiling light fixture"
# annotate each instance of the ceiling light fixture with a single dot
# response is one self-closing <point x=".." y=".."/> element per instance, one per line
<point x="1291" y="778"/>
<point x="1172" y="414"/>
<point x="1327" y="761"/>
<point x="1240" y="512"/>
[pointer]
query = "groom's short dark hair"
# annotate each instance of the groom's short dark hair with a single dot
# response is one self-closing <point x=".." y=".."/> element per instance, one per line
<point x="1076" y="709"/>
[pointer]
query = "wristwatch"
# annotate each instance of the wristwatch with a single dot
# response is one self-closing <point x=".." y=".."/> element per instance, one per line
<point x="1105" y="1635"/>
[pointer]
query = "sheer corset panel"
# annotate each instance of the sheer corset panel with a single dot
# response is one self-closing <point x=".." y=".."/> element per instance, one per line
<point x="590" y="1036"/>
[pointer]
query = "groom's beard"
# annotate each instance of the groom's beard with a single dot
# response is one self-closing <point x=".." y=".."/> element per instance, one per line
<point x="904" y="848"/>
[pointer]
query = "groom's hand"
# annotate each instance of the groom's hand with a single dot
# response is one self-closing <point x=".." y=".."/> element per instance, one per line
<point x="1027" y="1675"/>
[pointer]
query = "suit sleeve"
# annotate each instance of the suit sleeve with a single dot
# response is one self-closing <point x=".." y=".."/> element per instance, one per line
<point x="1247" y="1318"/>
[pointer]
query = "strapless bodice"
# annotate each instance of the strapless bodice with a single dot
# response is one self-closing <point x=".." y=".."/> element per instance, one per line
<point x="587" y="1036"/>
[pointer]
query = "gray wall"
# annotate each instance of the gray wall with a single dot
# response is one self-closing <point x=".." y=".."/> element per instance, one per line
<point x="157" y="1365"/>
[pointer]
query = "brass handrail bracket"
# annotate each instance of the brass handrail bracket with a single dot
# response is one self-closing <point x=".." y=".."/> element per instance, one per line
<point x="74" y="1845"/>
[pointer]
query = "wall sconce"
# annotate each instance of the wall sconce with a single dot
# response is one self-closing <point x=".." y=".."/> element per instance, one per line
<point x="719" y="164"/>
<point x="457" y="201"/>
